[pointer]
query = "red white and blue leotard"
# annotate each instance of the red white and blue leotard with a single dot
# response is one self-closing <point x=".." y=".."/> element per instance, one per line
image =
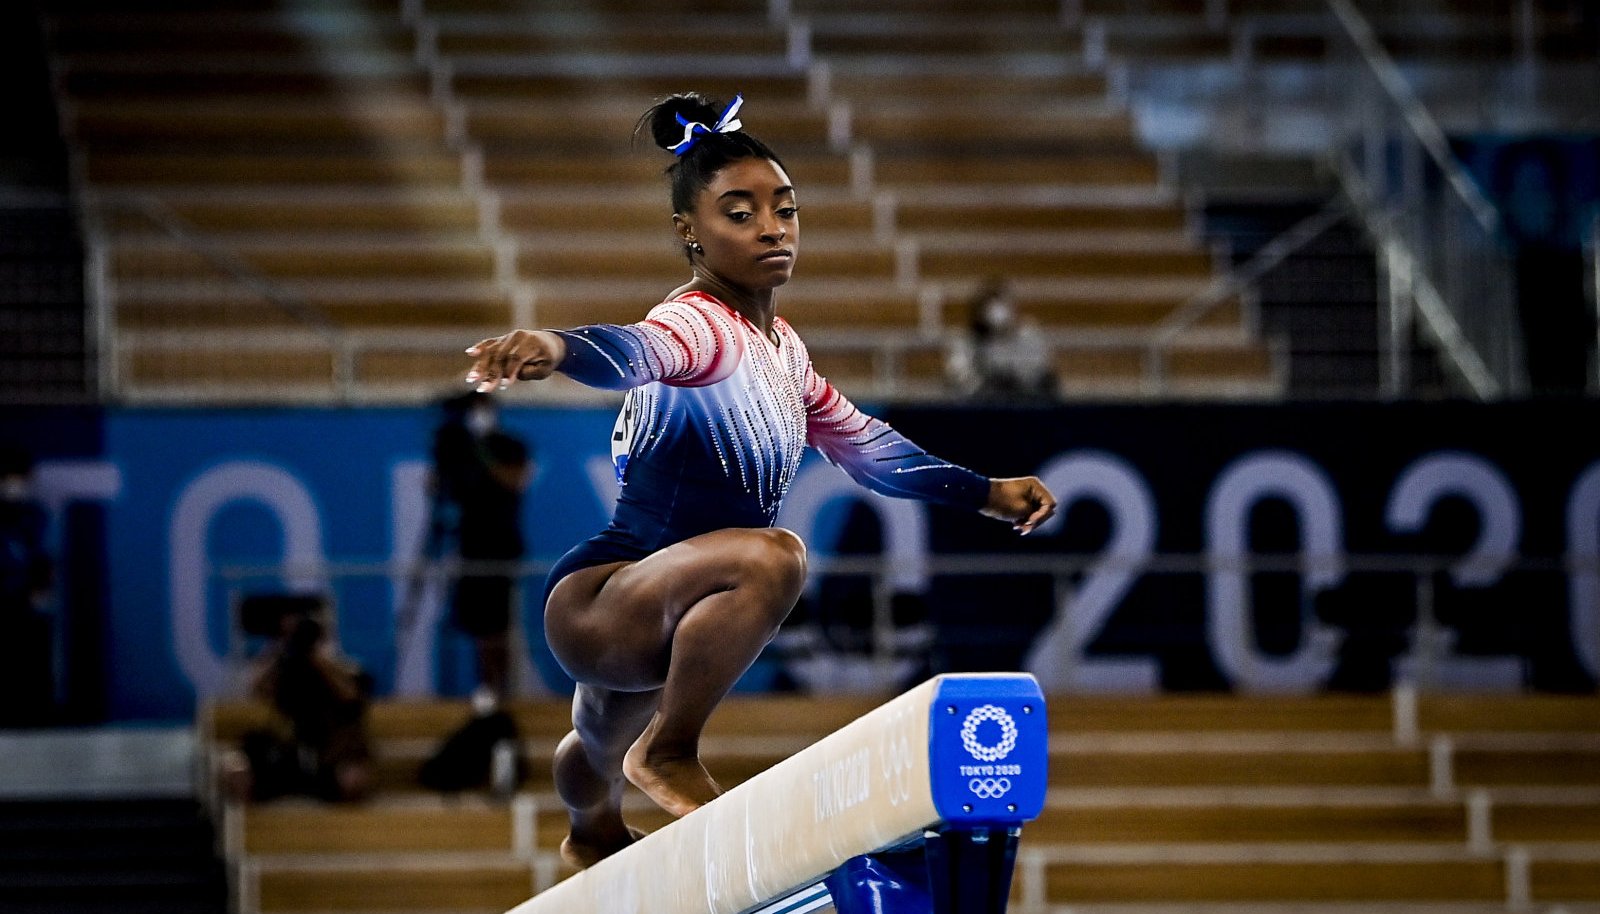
<point x="714" y="425"/>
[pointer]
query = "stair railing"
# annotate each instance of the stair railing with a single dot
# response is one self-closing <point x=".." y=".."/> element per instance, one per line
<point x="151" y="210"/>
<point x="1439" y="239"/>
<point x="1239" y="282"/>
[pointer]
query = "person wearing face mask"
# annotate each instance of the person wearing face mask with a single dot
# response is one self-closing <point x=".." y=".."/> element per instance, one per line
<point x="479" y="475"/>
<point x="26" y="576"/>
<point x="1003" y="354"/>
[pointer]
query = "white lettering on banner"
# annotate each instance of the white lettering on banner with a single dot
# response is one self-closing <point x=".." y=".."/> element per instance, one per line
<point x="1416" y="493"/>
<point x="1422" y="484"/>
<point x="1583" y="577"/>
<point x="1059" y="656"/>
<point x="1244" y="483"/>
<point x="904" y="523"/>
<point x="842" y="784"/>
<point x="417" y="601"/>
<point x="189" y="562"/>
<point x="59" y="483"/>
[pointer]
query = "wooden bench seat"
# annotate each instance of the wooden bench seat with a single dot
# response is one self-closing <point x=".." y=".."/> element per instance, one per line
<point x="999" y="8"/>
<point x="1461" y="880"/>
<point x="663" y="261"/>
<point x="202" y="121"/>
<point x="615" y="165"/>
<point x="909" y="171"/>
<point x="495" y="123"/>
<point x="918" y="214"/>
<point x="483" y="885"/>
<point x="649" y="213"/>
<point x="210" y="307"/>
<point x="622" y="34"/>
<point x="354" y="208"/>
<point x="954" y="40"/>
<point x="437" y="260"/>
<point x="809" y="310"/>
<point x="394" y="168"/>
<point x="957" y="84"/>
<point x="640" y="89"/>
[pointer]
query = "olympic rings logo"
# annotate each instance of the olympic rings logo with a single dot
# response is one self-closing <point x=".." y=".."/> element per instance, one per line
<point x="989" y="788"/>
<point x="980" y="751"/>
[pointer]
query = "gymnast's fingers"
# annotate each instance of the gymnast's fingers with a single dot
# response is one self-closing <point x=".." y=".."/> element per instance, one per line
<point x="482" y="352"/>
<point x="1045" y="506"/>
<point x="508" y="357"/>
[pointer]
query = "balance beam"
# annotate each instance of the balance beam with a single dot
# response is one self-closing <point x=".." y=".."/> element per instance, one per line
<point x="956" y="752"/>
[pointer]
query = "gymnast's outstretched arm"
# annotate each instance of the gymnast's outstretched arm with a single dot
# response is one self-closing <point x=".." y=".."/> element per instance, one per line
<point x="882" y="459"/>
<point x="678" y="342"/>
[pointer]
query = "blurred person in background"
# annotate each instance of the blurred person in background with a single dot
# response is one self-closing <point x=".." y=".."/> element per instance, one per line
<point x="316" y="741"/>
<point x="479" y="476"/>
<point x="1003" y="353"/>
<point x="26" y="577"/>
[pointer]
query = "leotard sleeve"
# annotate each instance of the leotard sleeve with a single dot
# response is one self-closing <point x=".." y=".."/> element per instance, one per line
<point x="880" y="458"/>
<point x="686" y="342"/>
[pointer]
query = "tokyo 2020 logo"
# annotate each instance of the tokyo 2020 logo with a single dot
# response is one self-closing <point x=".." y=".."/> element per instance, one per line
<point x="981" y="751"/>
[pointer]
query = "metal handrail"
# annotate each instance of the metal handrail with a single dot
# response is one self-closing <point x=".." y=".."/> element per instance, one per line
<point x="155" y="211"/>
<point x="996" y="564"/>
<point x="1238" y="281"/>
<point x="1422" y="124"/>
<point x="889" y="644"/>
<point x="1439" y="239"/>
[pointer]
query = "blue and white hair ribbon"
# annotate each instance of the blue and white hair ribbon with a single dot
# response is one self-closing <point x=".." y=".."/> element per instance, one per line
<point x="728" y="123"/>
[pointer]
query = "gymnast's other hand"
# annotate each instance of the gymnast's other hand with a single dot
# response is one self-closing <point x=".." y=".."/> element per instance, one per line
<point x="521" y="355"/>
<point x="1022" y="500"/>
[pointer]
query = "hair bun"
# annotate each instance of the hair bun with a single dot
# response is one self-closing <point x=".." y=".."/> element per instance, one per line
<point x="663" y="116"/>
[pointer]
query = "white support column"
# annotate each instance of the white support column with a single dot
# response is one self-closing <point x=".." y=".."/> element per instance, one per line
<point x="1404" y="702"/>
<point x="840" y="126"/>
<point x="861" y="168"/>
<point x="905" y="264"/>
<point x="798" y="45"/>
<point x="1519" y="888"/>
<point x="1480" y="829"/>
<point x="1441" y="766"/>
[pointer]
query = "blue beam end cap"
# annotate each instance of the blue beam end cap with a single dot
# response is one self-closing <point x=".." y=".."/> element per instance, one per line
<point x="988" y="749"/>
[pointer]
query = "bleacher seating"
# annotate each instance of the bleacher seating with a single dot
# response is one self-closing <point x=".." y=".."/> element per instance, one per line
<point x="425" y="173"/>
<point x="423" y="178"/>
<point x="1200" y="802"/>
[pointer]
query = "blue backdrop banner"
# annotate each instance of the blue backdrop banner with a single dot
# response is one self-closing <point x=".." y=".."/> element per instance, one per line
<point x="1205" y="547"/>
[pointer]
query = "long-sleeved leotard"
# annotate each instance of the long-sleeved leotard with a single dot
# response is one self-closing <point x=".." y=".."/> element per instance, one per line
<point x="714" y="425"/>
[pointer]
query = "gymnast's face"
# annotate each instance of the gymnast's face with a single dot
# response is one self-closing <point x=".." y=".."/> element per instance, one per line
<point x="747" y="221"/>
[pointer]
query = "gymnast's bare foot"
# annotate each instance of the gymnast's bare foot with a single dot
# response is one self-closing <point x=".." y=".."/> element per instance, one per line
<point x="587" y="851"/>
<point x="678" y="784"/>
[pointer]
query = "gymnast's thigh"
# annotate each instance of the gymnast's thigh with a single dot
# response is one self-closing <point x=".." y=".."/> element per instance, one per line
<point x="611" y="625"/>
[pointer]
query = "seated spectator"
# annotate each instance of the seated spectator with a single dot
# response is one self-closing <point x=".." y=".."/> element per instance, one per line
<point x="316" y="743"/>
<point x="1003" y="354"/>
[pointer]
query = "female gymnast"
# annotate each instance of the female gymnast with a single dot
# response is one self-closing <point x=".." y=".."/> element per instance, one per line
<point x="658" y="615"/>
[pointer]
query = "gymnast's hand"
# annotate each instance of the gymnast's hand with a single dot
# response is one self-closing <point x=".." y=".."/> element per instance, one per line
<point x="1022" y="500"/>
<point x="521" y="355"/>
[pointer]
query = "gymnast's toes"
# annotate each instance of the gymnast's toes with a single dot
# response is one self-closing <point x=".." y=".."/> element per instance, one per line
<point x="582" y="854"/>
<point x="679" y="786"/>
